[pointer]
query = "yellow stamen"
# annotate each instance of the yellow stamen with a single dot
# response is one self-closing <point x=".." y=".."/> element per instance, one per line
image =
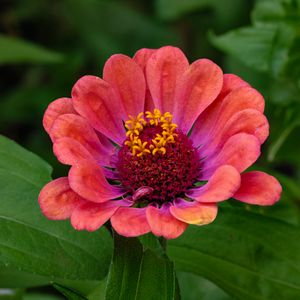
<point x="135" y="126"/>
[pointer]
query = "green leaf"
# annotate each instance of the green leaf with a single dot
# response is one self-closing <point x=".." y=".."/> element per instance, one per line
<point x="136" y="274"/>
<point x="194" y="287"/>
<point x="12" y="278"/>
<point x="14" y="50"/>
<point x="31" y="243"/>
<point x="40" y="296"/>
<point x="275" y="11"/>
<point x="69" y="293"/>
<point x="99" y="291"/>
<point x="248" y="255"/>
<point x="252" y="46"/>
<point x="150" y="241"/>
<point x="263" y="48"/>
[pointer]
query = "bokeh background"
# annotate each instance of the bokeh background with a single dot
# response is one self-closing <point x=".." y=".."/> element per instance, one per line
<point x="45" y="46"/>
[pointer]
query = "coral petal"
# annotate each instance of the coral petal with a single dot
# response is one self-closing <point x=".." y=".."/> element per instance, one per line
<point x="220" y="112"/>
<point x="70" y="152"/>
<point x="240" y="151"/>
<point x="94" y="99"/>
<point x="249" y="121"/>
<point x="57" y="200"/>
<point x="162" y="223"/>
<point x="55" y="109"/>
<point x="141" y="57"/>
<point x="231" y="82"/>
<point x="87" y="179"/>
<point x="197" y="89"/>
<point x="258" y="188"/>
<point x="164" y="69"/>
<point x="194" y="212"/>
<point x="77" y="128"/>
<point x="128" y="80"/>
<point x="91" y="216"/>
<point x="222" y="185"/>
<point x="130" y="222"/>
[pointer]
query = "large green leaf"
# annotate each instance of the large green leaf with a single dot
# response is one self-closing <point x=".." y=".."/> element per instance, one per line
<point x="31" y="243"/>
<point x="136" y="274"/>
<point x="263" y="48"/>
<point x="194" y="287"/>
<point x="275" y="11"/>
<point x="14" y="50"/>
<point x="248" y="255"/>
<point x="253" y="46"/>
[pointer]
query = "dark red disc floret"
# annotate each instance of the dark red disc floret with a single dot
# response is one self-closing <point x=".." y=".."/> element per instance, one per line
<point x="167" y="175"/>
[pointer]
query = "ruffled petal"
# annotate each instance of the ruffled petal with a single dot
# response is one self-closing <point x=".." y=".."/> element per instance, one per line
<point x="128" y="80"/>
<point x="258" y="188"/>
<point x="55" y="109"/>
<point x="162" y="223"/>
<point x="222" y="185"/>
<point x="240" y="151"/>
<point x="57" y="200"/>
<point x="77" y="128"/>
<point x="196" y="90"/>
<point x="91" y="216"/>
<point x="194" y="212"/>
<point x="249" y="121"/>
<point x="130" y="222"/>
<point x="141" y="57"/>
<point x="87" y="180"/>
<point x="94" y="99"/>
<point x="164" y="69"/>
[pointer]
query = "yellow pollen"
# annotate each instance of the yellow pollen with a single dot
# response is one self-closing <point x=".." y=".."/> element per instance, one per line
<point x="135" y="125"/>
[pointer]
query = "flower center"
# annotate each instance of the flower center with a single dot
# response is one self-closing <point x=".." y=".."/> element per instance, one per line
<point x="157" y="162"/>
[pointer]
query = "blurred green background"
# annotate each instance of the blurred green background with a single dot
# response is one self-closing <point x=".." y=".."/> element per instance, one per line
<point x="45" y="46"/>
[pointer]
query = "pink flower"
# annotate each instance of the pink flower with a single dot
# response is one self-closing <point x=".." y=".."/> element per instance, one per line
<point x="155" y="145"/>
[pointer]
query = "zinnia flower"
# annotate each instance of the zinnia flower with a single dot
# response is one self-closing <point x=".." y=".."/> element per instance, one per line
<point x="155" y="145"/>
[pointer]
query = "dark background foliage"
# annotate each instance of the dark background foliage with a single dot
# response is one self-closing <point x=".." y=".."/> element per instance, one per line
<point x="45" y="46"/>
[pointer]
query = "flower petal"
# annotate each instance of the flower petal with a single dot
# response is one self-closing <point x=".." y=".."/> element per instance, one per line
<point x="91" y="216"/>
<point x="55" y="109"/>
<point x="235" y="94"/>
<point x="164" y="69"/>
<point x="194" y="212"/>
<point x="222" y="185"/>
<point x="141" y="57"/>
<point x="231" y="82"/>
<point x="258" y="188"/>
<point x="240" y="151"/>
<point x="130" y="222"/>
<point x="162" y="223"/>
<point x="249" y="121"/>
<point x="196" y="90"/>
<point x="77" y="128"/>
<point x="88" y="181"/>
<point x="94" y="99"/>
<point x="57" y="200"/>
<point x="128" y="80"/>
<point x="70" y="152"/>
